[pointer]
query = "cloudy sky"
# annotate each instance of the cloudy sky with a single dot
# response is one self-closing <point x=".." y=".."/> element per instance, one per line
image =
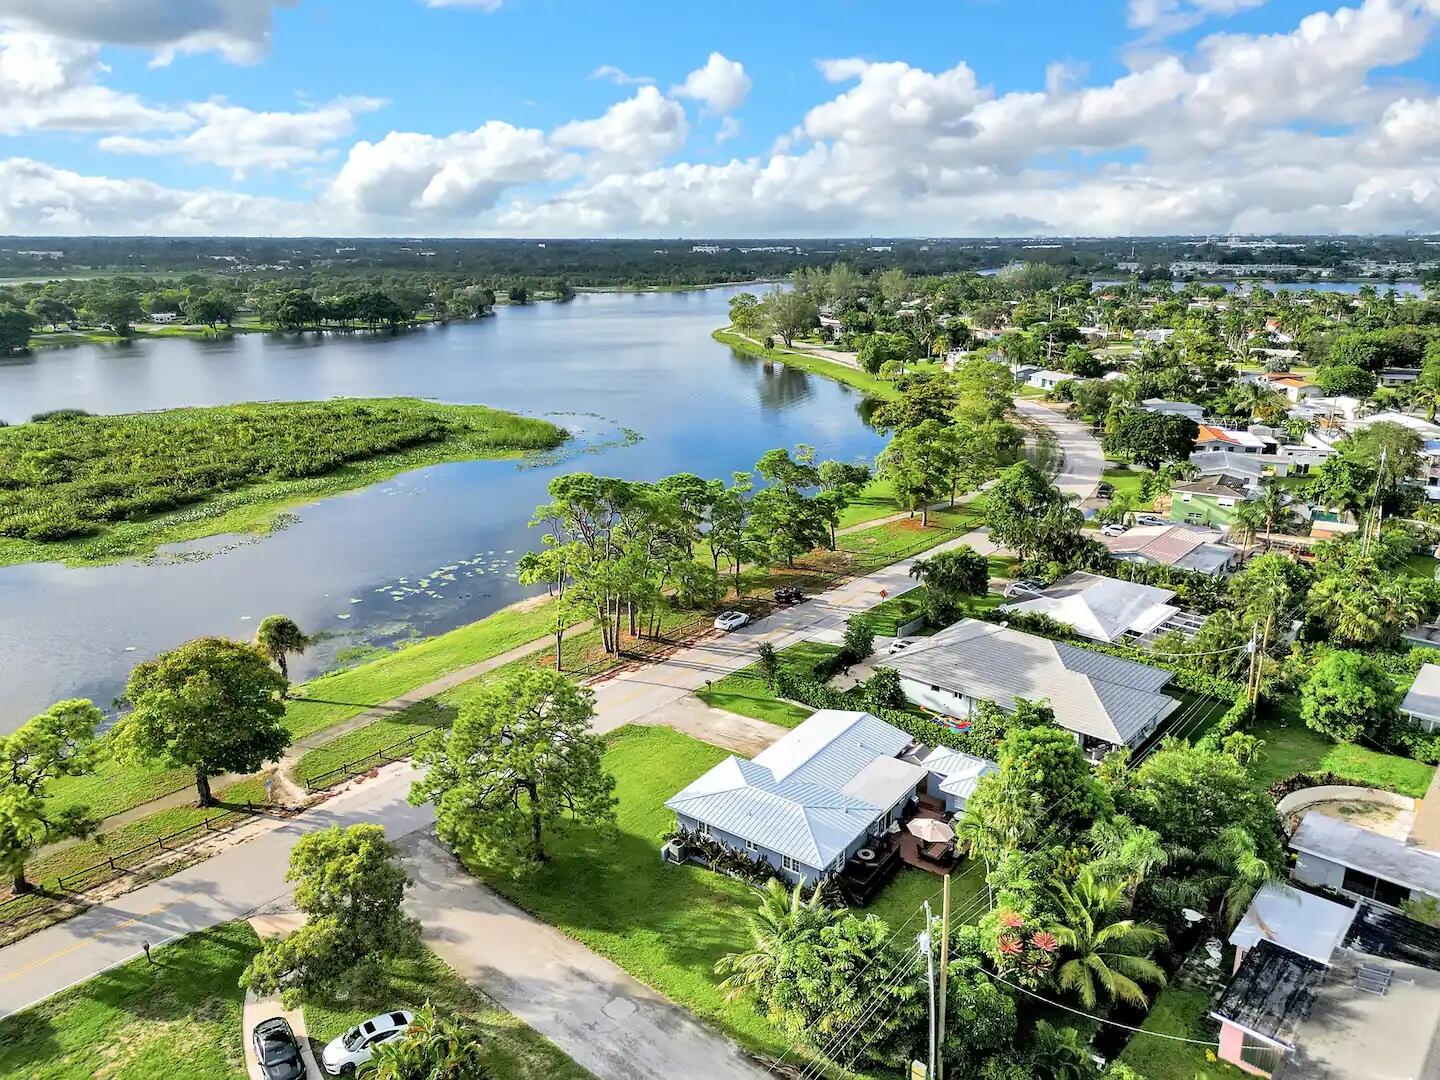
<point x="639" y="118"/>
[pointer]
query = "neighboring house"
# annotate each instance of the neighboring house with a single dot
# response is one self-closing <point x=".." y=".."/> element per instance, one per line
<point x="808" y="803"/>
<point x="1215" y="461"/>
<point x="1159" y="335"/>
<point x="1103" y="608"/>
<point x="1184" y="547"/>
<point x="1296" y="388"/>
<point x="1104" y="701"/>
<point x="1207" y="500"/>
<point x="1174" y="408"/>
<point x="1212" y="437"/>
<point x="1330" y="991"/>
<point x="1422" y="702"/>
<point x="164" y="317"/>
<point x="954" y="775"/>
<point x="1398" y="376"/>
<point x="1363" y="863"/>
<point x="1045" y="379"/>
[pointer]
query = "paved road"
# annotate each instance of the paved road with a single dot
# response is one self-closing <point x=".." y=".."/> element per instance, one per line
<point x="250" y="876"/>
<point x="609" y="1022"/>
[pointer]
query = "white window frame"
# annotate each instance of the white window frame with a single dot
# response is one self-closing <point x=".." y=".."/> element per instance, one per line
<point x="703" y="830"/>
<point x="750" y="845"/>
<point x="793" y="865"/>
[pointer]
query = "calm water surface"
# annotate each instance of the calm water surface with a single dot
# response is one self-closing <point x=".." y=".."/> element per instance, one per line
<point x="428" y="550"/>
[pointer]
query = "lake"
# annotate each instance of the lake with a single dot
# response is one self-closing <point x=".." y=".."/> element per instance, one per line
<point x="431" y="549"/>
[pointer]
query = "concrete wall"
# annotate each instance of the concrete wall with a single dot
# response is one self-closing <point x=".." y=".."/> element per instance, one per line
<point x="1298" y="801"/>
<point x="941" y="701"/>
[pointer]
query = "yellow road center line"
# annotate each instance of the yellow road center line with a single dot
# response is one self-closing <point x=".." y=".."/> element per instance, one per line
<point x="84" y="942"/>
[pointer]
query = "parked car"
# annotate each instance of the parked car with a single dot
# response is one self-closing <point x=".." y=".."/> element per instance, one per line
<point x="277" y="1051"/>
<point x="1024" y="587"/>
<point x="1114" y="529"/>
<point x="353" y="1049"/>
<point x="900" y="645"/>
<point x="1151" y="519"/>
<point x="731" y="620"/>
<point x="788" y="594"/>
<point x="1104" y="490"/>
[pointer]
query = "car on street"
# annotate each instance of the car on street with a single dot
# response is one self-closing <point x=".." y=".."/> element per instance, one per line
<point x="353" y="1049"/>
<point x="1151" y="519"/>
<point x="787" y="594"/>
<point x="731" y="620"/>
<point x="1114" y="529"/>
<point x="1104" y="490"/>
<point x="899" y="645"/>
<point x="1024" y="587"/>
<point x="277" y="1051"/>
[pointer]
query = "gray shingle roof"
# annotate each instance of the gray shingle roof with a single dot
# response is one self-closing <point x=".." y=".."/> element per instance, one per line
<point x="1093" y="694"/>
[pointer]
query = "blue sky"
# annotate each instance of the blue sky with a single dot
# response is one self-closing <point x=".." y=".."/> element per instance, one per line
<point x="967" y="117"/>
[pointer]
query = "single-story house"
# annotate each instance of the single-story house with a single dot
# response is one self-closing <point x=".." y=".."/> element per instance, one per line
<point x="1184" y="547"/>
<point x="164" y="317"/>
<point x="1106" y="702"/>
<point x="1103" y="608"/>
<point x="1363" y="863"/>
<point x="1045" y="379"/>
<point x="1208" y="500"/>
<point x="1219" y="461"/>
<point x="1240" y="442"/>
<point x="1296" y="388"/>
<point x="1422" y="701"/>
<point x="1330" y="991"/>
<point x="809" y="802"/>
<point x="1159" y="335"/>
<point x="1174" y="408"/>
<point x="1398" y="376"/>
<point x="953" y="775"/>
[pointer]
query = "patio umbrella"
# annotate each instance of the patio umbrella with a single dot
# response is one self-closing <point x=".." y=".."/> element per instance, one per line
<point x="931" y="830"/>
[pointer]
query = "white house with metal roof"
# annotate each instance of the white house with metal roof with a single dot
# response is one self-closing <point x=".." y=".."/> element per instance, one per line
<point x="1104" y="608"/>
<point x="810" y="801"/>
<point x="1363" y="863"/>
<point x="1105" y="701"/>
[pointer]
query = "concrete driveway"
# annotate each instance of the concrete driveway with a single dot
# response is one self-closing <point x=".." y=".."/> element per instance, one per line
<point x="607" y="1021"/>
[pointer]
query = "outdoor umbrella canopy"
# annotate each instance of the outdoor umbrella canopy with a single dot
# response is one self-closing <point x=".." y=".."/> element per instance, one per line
<point x="931" y="830"/>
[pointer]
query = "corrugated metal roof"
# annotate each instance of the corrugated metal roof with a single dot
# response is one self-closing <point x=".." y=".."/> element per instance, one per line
<point x="789" y="798"/>
<point x="1091" y="693"/>
<point x="1369" y="852"/>
<point x="1101" y="608"/>
<point x="961" y="771"/>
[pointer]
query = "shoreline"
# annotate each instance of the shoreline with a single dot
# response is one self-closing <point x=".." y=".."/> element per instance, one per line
<point x="855" y="378"/>
<point x="261" y="508"/>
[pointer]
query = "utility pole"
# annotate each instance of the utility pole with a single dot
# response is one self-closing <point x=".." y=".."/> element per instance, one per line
<point x="924" y="942"/>
<point x="944" y="974"/>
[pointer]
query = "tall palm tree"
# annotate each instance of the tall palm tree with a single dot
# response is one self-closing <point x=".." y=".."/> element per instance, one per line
<point x="280" y="635"/>
<point x="784" y="917"/>
<point x="1125" y="851"/>
<point x="434" y="1048"/>
<point x="1108" y="956"/>
<point x="1237" y="865"/>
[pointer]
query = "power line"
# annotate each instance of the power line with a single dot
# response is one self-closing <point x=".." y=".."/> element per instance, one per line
<point x="1102" y="1020"/>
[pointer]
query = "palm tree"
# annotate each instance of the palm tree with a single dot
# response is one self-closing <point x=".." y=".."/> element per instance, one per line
<point x="1056" y="1053"/>
<point x="280" y="635"/>
<point x="1238" y="866"/>
<point x="1256" y="401"/>
<point x="1125" y="851"/>
<point x="784" y="916"/>
<point x="1108" y="956"/>
<point x="434" y="1048"/>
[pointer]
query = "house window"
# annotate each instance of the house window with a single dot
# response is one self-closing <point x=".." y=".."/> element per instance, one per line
<point x="793" y="865"/>
<point x="750" y="845"/>
<point x="1374" y="888"/>
<point x="935" y="688"/>
<point x="703" y="830"/>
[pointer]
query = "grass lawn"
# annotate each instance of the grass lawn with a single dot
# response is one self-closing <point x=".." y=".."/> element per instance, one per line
<point x="877" y="500"/>
<point x="666" y="925"/>
<point x="1179" y="1010"/>
<point x="514" y="1050"/>
<point x="912" y="887"/>
<point x="1291" y="747"/>
<point x="371" y="739"/>
<point x="816" y="365"/>
<point x="1422" y="566"/>
<point x="744" y="691"/>
<point x="178" y="1019"/>
<point x="1127" y="480"/>
<point x="896" y="540"/>
<point x="887" y="617"/>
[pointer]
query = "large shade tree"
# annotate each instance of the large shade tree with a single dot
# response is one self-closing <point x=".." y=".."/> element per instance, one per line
<point x="212" y="706"/>
<point x="519" y="760"/>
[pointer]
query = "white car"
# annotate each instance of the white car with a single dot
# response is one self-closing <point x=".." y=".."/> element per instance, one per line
<point x="353" y="1049"/>
<point x="1114" y="530"/>
<point x="731" y="620"/>
<point x="899" y="645"/>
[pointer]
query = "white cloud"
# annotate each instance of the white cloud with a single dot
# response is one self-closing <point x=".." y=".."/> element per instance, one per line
<point x="241" y="140"/>
<point x="407" y="175"/>
<point x="729" y="129"/>
<point x="721" y="84"/>
<point x="611" y="73"/>
<point x="1162" y="17"/>
<point x="237" y="29"/>
<point x="638" y="131"/>
<point x="47" y="83"/>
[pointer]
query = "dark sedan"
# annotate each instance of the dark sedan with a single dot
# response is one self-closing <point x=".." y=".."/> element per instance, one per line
<point x="277" y="1051"/>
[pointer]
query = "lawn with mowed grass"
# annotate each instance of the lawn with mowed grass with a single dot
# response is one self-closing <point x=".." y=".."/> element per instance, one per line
<point x="746" y="693"/>
<point x="178" y="1019"/>
<point x="1127" y="481"/>
<point x="1291" y="747"/>
<point x="513" y="1050"/>
<point x="667" y="925"/>
<point x="877" y="500"/>
<point x="1180" y="1011"/>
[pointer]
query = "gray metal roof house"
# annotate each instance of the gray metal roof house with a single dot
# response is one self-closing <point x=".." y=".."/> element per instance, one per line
<point x="1106" y="701"/>
<point x="809" y="802"/>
